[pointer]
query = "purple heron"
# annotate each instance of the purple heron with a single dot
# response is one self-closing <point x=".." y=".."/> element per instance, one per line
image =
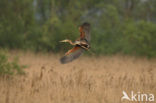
<point x="80" y="45"/>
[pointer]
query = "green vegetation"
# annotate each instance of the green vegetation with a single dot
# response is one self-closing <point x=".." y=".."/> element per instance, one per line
<point x="9" y="67"/>
<point x="118" y="26"/>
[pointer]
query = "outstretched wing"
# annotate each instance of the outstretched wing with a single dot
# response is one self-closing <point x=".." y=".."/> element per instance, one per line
<point x="71" y="55"/>
<point x="85" y="31"/>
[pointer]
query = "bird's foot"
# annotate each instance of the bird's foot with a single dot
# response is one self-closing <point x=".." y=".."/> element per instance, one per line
<point x="85" y="48"/>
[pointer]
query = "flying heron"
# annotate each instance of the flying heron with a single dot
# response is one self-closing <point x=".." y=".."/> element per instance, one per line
<point x="80" y="45"/>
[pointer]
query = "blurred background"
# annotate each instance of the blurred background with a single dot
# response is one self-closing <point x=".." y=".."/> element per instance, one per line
<point x="118" y="26"/>
<point x="123" y="39"/>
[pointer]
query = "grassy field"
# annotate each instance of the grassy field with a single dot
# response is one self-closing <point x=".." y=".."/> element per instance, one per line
<point x="85" y="80"/>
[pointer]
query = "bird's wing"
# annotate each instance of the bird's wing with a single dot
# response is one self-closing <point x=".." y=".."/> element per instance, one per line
<point x="82" y="34"/>
<point x="85" y="31"/>
<point x="72" y="54"/>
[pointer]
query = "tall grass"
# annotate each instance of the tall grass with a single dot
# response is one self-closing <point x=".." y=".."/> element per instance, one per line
<point x="86" y="80"/>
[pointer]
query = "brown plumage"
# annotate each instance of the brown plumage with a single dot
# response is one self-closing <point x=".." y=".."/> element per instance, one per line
<point x="80" y="44"/>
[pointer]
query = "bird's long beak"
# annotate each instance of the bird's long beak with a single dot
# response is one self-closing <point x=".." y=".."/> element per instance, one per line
<point x="63" y="41"/>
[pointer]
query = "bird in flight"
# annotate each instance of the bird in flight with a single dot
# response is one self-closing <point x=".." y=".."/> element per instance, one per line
<point x="80" y="45"/>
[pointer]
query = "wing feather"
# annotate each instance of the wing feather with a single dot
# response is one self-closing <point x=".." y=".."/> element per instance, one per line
<point x="85" y="31"/>
<point x="74" y="54"/>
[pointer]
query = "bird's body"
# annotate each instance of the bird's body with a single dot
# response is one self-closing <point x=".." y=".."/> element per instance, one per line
<point x="80" y="44"/>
